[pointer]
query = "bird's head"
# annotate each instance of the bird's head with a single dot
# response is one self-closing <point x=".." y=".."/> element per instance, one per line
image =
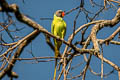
<point x="60" y="13"/>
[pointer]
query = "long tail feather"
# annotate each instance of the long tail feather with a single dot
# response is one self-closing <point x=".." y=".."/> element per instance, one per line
<point x="56" y="55"/>
<point x="55" y="69"/>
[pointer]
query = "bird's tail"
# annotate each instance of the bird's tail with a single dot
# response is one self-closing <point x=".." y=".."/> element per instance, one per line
<point x="55" y="69"/>
<point x="56" y="55"/>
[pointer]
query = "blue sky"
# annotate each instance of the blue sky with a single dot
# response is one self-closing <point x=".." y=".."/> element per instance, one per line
<point x="37" y="9"/>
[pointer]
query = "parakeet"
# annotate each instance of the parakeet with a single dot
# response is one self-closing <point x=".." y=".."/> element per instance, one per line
<point x="58" y="28"/>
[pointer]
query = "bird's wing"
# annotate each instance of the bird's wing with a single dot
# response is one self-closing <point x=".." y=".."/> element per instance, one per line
<point x="64" y="29"/>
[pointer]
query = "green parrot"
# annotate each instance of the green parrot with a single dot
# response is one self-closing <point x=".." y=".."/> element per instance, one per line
<point x="58" y="28"/>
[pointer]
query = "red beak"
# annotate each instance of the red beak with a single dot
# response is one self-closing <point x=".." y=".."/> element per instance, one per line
<point x="63" y="14"/>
